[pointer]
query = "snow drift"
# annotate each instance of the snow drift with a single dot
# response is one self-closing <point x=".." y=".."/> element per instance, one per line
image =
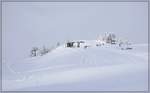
<point x="104" y="68"/>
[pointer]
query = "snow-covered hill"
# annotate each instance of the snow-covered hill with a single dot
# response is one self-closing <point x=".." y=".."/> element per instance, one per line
<point x="103" y="68"/>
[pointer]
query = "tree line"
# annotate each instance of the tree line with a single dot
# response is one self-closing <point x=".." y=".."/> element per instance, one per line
<point x="36" y="51"/>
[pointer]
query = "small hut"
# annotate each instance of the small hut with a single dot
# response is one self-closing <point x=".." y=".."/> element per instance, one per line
<point x="70" y="44"/>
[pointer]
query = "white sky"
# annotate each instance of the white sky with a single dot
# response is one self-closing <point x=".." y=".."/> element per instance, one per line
<point x="28" y="24"/>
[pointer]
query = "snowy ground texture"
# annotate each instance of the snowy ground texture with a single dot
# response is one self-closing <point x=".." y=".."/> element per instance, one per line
<point x="104" y="68"/>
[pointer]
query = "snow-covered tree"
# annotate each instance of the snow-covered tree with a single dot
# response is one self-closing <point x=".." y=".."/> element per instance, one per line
<point x="44" y="51"/>
<point x="58" y="44"/>
<point x="34" y="51"/>
<point x="110" y="38"/>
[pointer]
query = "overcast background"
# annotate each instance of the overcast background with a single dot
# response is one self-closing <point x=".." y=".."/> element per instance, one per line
<point x="29" y="24"/>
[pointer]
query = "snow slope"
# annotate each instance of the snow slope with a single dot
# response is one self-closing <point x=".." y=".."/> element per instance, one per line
<point x="105" y="68"/>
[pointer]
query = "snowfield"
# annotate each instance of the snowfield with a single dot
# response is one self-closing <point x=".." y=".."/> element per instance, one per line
<point x="102" y="68"/>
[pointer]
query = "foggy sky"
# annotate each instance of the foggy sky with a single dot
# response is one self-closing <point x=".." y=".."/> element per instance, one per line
<point x="28" y="24"/>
